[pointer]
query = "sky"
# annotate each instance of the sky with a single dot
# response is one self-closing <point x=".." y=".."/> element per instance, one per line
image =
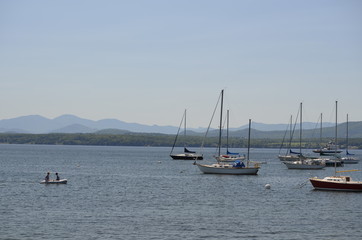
<point x="146" y="61"/>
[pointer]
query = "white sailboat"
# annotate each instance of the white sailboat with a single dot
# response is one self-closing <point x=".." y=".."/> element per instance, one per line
<point x="229" y="156"/>
<point x="328" y="150"/>
<point x="303" y="162"/>
<point x="187" y="154"/>
<point x="235" y="168"/>
<point x="330" y="162"/>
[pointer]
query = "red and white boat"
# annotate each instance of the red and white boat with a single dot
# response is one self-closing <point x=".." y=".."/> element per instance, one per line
<point x="337" y="183"/>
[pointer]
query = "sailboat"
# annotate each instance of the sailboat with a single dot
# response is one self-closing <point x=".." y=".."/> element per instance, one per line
<point x="236" y="168"/>
<point x="187" y="154"/>
<point x="229" y="156"/>
<point x="336" y="183"/>
<point x="330" y="149"/>
<point x="349" y="159"/>
<point x="290" y="155"/>
<point x="330" y="162"/>
<point x="303" y="162"/>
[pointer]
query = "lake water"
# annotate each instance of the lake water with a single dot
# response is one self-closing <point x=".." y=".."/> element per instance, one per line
<point x="141" y="193"/>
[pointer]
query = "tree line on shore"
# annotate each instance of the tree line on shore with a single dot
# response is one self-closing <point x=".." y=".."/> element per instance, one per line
<point x="162" y="140"/>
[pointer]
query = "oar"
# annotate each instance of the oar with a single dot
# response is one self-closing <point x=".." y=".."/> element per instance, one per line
<point x="353" y="170"/>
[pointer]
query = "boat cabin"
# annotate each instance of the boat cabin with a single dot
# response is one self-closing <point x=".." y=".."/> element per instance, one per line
<point x="338" y="179"/>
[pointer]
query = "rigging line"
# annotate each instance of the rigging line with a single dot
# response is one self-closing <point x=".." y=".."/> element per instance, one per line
<point x="223" y="126"/>
<point x="285" y="134"/>
<point x="178" y="131"/>
<point x="292" y="135"/>
<point x="221" y="112"/>
<point x="332" y="114"/>
<point x="208" y="128"/>
<point x="317" y="125"/>
<point x="248" y="160"/>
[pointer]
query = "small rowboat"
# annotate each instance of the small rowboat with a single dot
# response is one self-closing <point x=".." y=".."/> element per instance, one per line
<point x="61" y="181"/>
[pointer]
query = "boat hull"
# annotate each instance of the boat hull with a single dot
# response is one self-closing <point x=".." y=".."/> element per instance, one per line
<point x="224" y="169"/>
<point x="292" y="165"/>
<point x="326" y="152"/>
<point x="349" y="160"/>
<point x="320" y="184"/>
<point x="61" y="181"/>
<point x="186" y="157"/>
<point x="288" y="158"/>
<point x="334" y="163"/>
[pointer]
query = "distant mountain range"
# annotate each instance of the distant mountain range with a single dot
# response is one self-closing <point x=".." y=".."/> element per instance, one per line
<point x="73" y="124"/>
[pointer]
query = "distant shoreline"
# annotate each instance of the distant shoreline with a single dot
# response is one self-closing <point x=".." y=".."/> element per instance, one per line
<point x="159" y="140"/>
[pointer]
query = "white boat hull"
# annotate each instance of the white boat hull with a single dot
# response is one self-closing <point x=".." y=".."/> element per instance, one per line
<point x="350" y="160"/>
<point x="288" y="158"/>
<point x="61" y="181"/>
<point x="227" y="169"/>
<point x="303" y="165"/>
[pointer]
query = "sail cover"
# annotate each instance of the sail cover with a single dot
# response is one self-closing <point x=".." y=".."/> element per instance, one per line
<point x="349" y="154"/>
<point x="188" y="151"/>
<point x="294" y="152"/>
<point x="238" y="164"/>
<point x="231" y="153"/>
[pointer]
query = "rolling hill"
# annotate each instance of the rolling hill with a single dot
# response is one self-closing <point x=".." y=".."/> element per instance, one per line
<point x="72" y="124"/>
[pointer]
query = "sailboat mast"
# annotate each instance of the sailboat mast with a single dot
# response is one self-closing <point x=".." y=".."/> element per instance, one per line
<point x="335" y="133"/>
<point x="247" y="162"/>
<point x="178" y="131"/>
<point x="347" y="137"/>
<point x="335" y="142"/>
<point x="300" y="133"/>
<point x="185" y="129"/>
<point x="290" y="135"/>
<point x="221" y="109"/>
<point x="320" y="133"/>
<point x="291" y="131"/>
<point x="227" y="132"/>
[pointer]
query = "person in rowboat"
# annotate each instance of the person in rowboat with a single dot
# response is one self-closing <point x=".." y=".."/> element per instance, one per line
<point x="47" y="177"/>
<point x="57" y="177"/>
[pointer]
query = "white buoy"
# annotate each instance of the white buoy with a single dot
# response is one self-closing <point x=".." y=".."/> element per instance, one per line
<point x="267" y="186"/>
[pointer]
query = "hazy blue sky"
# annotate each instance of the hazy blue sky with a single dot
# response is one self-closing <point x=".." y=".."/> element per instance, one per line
<point x="146" y="61"/>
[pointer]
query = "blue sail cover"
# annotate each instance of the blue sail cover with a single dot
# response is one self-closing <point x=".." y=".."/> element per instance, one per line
<point x="238" y="164"/>
<point x="188" y="151"/>
<point x="294" y="152"/>
<point x="349" y="154"/>
<point x="230" y="153"/>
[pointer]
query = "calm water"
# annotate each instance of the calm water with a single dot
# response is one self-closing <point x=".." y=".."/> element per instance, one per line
<point x="140" y="193"/>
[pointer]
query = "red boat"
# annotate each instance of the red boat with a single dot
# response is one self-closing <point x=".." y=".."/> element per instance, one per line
<point x="337" y="183"/>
